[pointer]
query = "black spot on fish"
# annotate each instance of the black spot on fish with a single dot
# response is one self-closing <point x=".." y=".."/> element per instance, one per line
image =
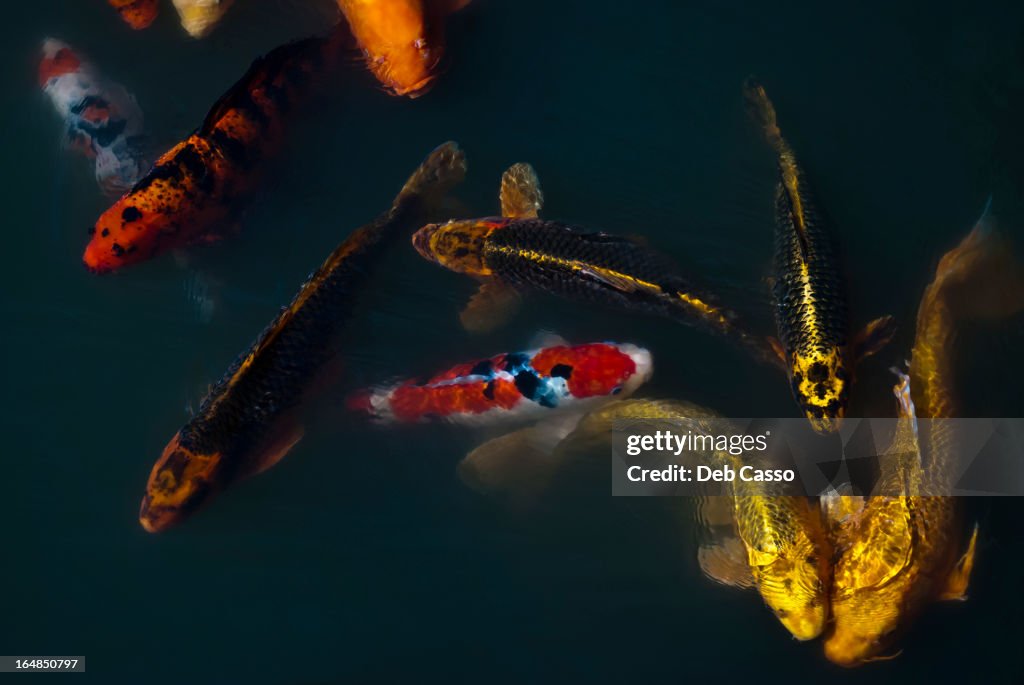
<point x="527" y="384"/>
<point x="561" y="371"/>
<point x="105" y="232"/>
<point x="117" y="250"/>
<point x="194" y="165"/>
<point x="817" y="373"/>
<point x="130" y="214"/>
<point x="788" y="584"/>
<point x="811" y="559"/>
<point x="233" y="149"/>
<point x="515" y="360"/>
<point x="489" y="390"/>
<point x="484" y="368"/>
<point x="461" y="252"/>
<point x="167" y="171"/>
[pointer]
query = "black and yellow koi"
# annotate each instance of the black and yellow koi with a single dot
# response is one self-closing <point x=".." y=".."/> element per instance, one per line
<point x="810" y="294"/>
<point x="249" y="420"/>
<point x="519" y="251"/>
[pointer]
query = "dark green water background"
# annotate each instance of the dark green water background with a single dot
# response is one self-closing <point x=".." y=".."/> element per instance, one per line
<point x="362" y="557"/>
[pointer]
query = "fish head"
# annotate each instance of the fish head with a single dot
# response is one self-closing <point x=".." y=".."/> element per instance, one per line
<point x="794" y="575"/>
<point x="124" y="232"/>
<point x="402" y="46"/>
<point x="643" y="368"/>
<point x="820" y="380"/>
<point x="862" y="628"/>
<point x="198" y="17"/>
<point x="180" y="482"/>
<point x="457" y="245"/>
<point x="595" y="370"/>
<point x="877" y="581"/>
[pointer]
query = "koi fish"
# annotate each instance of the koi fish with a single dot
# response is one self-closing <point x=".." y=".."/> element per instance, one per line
<point x="102" y="120"/>
<point x="900" y="553"/>
<point x="755" y="538"/>
<point x="199" y="17"/>
<point x="250" y="419"/>
<point x="517" y="385"/>
<point x="138" y="14"/>
<point x="814" y="345"/>
<point x="196" y="187"/>
<point x="519" y="251"/>
<point x="402" y="40"/>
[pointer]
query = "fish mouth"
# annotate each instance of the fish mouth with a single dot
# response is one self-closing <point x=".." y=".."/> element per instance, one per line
<point x="421" y="240"/>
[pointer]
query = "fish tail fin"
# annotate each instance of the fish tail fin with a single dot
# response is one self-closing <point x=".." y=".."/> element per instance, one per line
<point x="762" y="111"/>
<point x="982" y="277"/>
<point x="442" y="170"/>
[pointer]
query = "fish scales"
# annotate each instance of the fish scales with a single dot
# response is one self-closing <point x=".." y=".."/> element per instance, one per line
<point x="243" y="412"/>
<point x="811" y="310"/>
<point x="569" y="261"/>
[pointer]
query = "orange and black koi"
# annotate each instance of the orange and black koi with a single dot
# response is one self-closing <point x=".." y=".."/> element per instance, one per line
<point x="196" y="187"/>
<point x="514" y="386"/>
<point x="810" y="294"/>
<point x="249" y="420"/>
<point x="138" y="14"/>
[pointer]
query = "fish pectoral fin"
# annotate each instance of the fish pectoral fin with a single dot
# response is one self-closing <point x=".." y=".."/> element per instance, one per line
<point x="956" y="583"/>
<point x="780" y="352"/>
<point x="493" y="305"/>
<point x="277" y="447"/>
<point x="520" y="464"/>
<point x="725" y="562"/>
<point x="874" y="337"/>
<point x="520" y="194"/>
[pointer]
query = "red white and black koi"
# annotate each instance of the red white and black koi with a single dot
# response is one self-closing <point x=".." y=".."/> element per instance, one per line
<point x="103" y="121"/>
<point x="514" y="386"/>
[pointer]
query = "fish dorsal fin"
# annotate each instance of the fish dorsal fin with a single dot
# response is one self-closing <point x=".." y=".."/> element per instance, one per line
<point x="521" y="197"/>
<point x="725" y="562"/>
<point x="491" y="307"/>
<point x="956" y="583"/>
<point x="268" y="62"/>
<point x="874" y="337"/>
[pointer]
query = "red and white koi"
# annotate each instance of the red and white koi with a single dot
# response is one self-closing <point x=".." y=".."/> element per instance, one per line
<point x="515" y="386"/>
<point x="103" y="121"/>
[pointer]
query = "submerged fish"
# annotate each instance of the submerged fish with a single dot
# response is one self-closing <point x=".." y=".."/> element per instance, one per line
<point x="199" y="17"/>
<point x="194" y="191"/>
<point x="520" y="251"/>
<point x="249" y="419"/>
<point x="810" y="294"/>
<point x="757" y="538"/>
<point x="101" y="119"/>
<point x="138" y="14"/>
<point x="402" y="40"/>
<point x="900" y="553"/>
<point x="515" y="386"/>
